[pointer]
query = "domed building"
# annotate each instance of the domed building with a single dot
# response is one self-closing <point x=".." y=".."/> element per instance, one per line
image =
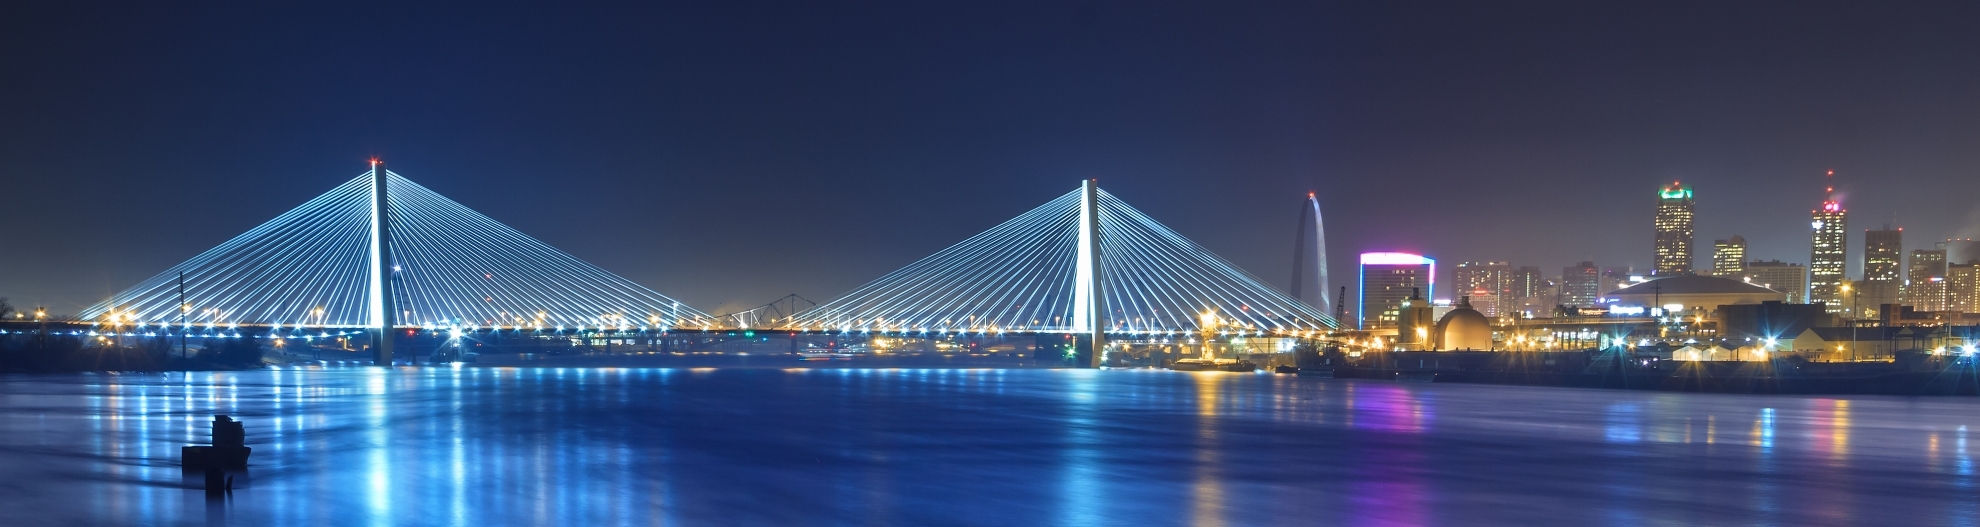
<point x="1464" y="328"/>
<point x="1693" y="293"/>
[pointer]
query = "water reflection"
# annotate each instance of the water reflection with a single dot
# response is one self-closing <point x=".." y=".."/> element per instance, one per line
<point x="474" y="446"/>
<point x="1207" y="499"/>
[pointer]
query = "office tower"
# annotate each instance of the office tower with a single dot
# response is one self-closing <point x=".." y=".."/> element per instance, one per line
<point x="1525" y="291"/>
<point x="1493" y="277"/>
<point x="1386" y="280"/>
<point x="1790" y="279"/>
<point x="1963" y="287"/>
<point x="1883" y="256"/>
<point x="1580" y="284"/>
<point x="1673" y="230"/>
<point x="1524" y="282"/>
<point x="1925" y="280"/>
<point x="1729" y="257"/>
<point x="1542" y="303"/>
<point x="1483" y="300"/>
<point x="1830" y="252"/>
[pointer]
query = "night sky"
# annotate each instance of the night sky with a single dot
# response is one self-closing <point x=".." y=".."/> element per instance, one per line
<point x="728" y="153"/>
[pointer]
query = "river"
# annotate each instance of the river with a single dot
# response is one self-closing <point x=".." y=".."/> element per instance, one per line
<point x="767" y="446"/>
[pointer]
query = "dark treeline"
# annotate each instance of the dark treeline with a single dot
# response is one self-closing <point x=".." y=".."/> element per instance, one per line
<point x="34" y="352"/>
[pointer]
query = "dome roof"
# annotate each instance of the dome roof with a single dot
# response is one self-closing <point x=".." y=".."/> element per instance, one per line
<point x="1464" y="328"/>
<point x="1691" y="285"/>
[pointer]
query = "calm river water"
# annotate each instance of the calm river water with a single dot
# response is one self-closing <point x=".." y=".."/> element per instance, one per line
<point x="654" y="446"/>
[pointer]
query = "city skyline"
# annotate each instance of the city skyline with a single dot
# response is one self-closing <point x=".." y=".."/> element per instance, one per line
<point x="1677" y="220"/>
<point x="885" y="141"/>
<point x="1034" y="262"/>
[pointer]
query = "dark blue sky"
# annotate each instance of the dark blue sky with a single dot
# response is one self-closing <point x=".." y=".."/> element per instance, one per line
<point x="730" y="152"/>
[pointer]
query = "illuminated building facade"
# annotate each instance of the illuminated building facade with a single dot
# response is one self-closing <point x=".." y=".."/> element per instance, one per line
<point x="1524" y="282"/>
<point x="1729" y="257"/>
<point x="1674" y="232"/>
<point x="1790" y="279"/>
<point x="1526" y="290"/>
<point x="1925" y="288"/>
<point x="1485" y="301"/>
<point x="1494" y="278"/>
<point x="1386" y="280"/>
<point x="1580" y="284"/>
<point x="1829" y="258"/>
<point x="1883" y="258"/>
<point x="1963" y="287"/>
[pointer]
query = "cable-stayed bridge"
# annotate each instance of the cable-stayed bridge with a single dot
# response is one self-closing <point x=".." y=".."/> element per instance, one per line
<point x="1085" y="264"/>
<point x="381" y="253"/>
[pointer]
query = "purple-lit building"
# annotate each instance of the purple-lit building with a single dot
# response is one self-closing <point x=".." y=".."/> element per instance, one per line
<point x="1387" y="279"/>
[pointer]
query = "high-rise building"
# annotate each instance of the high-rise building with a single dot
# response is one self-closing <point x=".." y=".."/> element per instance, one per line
<point x="1524" y="282"/>
<point x="1485" y="301"/>
<point x="1925" y="280"/>
<point x="1729" y="257"/>
<point x="1581" y="284"/>
<point x="1829" y="258"/>
<point x="1790" y="279"/>
<point x="1963" y="287"/>
<point x="1495" y="278"/>
<point x="1674" y="232"/>
<point x="1544" y="299"/>
<point x="1524" y="286"/>
<point x="1389" y="278"/>
<point x="1883" y="259"/>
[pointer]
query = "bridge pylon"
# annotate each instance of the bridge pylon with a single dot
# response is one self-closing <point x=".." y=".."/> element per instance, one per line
<point x="1086" y="268"/>
<point x="1090" y="306"/>
<point x="379" y="254"/>
<point x="380" y="286"/>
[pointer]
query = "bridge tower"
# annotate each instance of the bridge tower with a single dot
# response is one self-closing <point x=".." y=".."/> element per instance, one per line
<point x="1089" y="296"/>
<point x="382" y="308"/>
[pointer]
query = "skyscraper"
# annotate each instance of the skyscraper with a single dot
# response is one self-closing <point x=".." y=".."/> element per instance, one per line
<point x="1790" y="279"/>
<point x="1495" y="278"/>
<point x="1527" y="290"/>
<point x="1925" y="288"/>
<point x="1829" y="258"/>
<point x="1729" y="257"/>
<point x="1883" y="256"/>
<point x="1673" y="230"/>
<point x="1580" y="284"/>
<point x="1387" y="279"/>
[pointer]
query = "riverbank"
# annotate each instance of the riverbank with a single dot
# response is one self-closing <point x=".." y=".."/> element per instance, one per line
<point x="1910" y="375"/>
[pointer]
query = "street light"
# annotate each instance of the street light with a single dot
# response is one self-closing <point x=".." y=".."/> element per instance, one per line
<point x="1852" y="320"/>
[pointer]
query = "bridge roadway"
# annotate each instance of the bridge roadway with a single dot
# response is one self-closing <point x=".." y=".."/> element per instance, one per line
<point x="526" y="340"/>
<point x="80" y="328"/>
